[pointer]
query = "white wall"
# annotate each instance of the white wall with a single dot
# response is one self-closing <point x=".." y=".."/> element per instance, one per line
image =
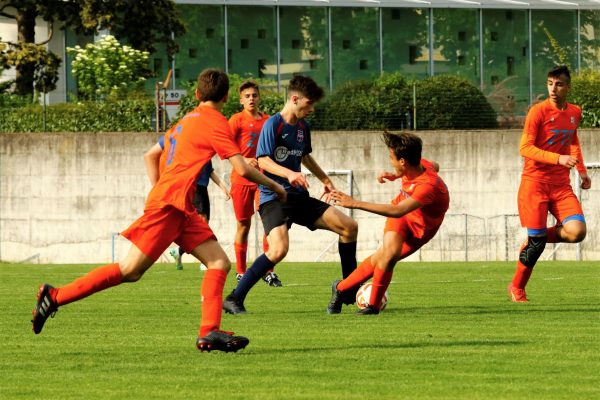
<point x="62" y="196"/>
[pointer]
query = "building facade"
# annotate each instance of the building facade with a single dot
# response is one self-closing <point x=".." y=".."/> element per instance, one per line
<point x="503" y="46"/>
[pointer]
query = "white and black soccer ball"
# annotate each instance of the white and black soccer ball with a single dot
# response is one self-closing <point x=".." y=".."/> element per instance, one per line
<point x="364" y="294"/>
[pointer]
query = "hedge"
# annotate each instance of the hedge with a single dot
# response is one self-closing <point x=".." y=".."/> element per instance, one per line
<point x="107" y="116"/>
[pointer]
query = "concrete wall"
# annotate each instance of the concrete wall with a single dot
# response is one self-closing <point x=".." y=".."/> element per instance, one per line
<point x="63" y="196"/>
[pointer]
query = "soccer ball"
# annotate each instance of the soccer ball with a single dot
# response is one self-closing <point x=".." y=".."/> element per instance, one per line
<point x="364" y="294"/>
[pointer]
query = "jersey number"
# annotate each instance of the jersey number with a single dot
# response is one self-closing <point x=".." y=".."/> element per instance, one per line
<point x="252" y="141"/>
<point x="562" y="135"/>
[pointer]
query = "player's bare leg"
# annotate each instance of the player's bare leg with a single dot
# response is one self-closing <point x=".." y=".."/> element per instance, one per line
<point x="210" y="336"/>
<point x="572" y="231"/>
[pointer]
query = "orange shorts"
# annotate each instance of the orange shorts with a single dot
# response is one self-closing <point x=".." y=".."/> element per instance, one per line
<point x="242" y="197"/>
<point x="537" y="198"/>
<point x="154" y="231"/>
<point x="413" y="237"/>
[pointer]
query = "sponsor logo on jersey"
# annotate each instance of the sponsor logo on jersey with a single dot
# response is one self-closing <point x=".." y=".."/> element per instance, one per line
<point x="573" y="120"/>
<point x="282" y="153"/>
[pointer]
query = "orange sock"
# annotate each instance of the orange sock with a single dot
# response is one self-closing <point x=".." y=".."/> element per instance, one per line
<point x="241" y="249"/>
<point x="359" y="276"/>
<point x="212" y="300"/>
<point x="522" y="275"/>
<point x="552" y="235"/>
<point x="381" y="281"/>
<point x="94" y="281"/>
<point x="265" y="244"/>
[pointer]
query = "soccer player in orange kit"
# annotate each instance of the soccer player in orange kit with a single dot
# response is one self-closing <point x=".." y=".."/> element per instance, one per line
<point x="414" y="217"/>
<point x="246" y="126"/>
<point x="169" y="216"/>
<point x="551" y="148"/>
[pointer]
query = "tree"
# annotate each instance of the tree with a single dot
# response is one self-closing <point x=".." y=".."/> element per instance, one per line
<point x="141" y="23"/>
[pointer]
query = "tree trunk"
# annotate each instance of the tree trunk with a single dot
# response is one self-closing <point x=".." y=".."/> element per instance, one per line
<point x="26" y="34"/>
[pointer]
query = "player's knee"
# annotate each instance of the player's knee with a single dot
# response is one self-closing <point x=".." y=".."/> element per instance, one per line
<point x="129" y="273"/>
<point x="574" y="235"/>
<point x="277" y="253"/>
<point x="350" y="230"/>
<point x="533" y="250"/>
<point x="222" y="264"/>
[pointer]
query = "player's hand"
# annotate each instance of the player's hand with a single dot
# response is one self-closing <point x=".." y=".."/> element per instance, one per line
<point x="297" y="179"/>
<point x="342" y="199"/>
<point x="386" y="176"/>
<point x="586" y="181"/>
<point x="253" y="162"/>
<point x="567" y="161"/>
<point x="227" y="195"/>
<point x="280" y="191"/>
<point x="327" y="193"/>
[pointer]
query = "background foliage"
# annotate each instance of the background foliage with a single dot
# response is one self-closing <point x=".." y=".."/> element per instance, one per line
<point x="133" y="115"/>
<point x="443" y="102"/>
<point x="585" y="92"/>
<point x="107" y="68"/>
<point x="271" y="101"/>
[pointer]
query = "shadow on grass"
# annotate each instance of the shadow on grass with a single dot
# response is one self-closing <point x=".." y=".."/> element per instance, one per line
<point x="388" y="346"/>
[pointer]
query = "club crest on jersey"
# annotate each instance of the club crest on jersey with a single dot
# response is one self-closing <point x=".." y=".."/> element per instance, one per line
<point x="573" y="120"/>
<point x="300" y="136"/>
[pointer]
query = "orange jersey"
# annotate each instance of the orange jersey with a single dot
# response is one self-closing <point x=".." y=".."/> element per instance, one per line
<point x="429" y="190"/>
<point x="246" y="130"/>
<point x="549" y="133"/>
<point x="189" y="145"/>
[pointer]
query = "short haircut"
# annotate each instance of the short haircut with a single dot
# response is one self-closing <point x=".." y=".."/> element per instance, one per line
<point x="213" y="85"/>
<point x="248" y="85"/>
<point x="559" y="70"/>
<point x="306" y="86"/>
<point x="405" y="145"/>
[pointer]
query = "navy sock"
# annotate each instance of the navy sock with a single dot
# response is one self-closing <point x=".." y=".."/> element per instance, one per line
<point x="253" y="274"/>
<point x="348" y="257"/>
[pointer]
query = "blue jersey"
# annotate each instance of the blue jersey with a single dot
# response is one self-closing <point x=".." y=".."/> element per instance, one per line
<point x="286" y="145"/>
<point x="204" y="175"/>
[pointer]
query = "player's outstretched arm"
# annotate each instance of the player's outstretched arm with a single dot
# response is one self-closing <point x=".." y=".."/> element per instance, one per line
<point x="215" y="178"/>
<point x="296" y="179"/>
<point x="387" y="176"/>
<point x="387" y="210"/>
<point x="151" y="160"/>
<point x="311" y="164"/>
<point x="246" y="171"/>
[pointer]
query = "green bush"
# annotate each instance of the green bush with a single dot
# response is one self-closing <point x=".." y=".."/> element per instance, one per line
<point x="362" y="104"/>
<point x="450" y="102"/>
<point x="585" y="92"/>
<point x="271" y="101"/>
<point x="108" y="116"/>
<point x="443" y="102"/>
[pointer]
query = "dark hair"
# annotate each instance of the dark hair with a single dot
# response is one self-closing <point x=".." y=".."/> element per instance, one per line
<point x="247" y="85"/>
<point x="559" y="70"/>
<point x="405" y="145"/>
<point x="306" y="86"/>
<point x="213" y="85"/>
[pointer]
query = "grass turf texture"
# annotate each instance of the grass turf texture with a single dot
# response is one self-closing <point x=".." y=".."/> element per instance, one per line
<point x="449" y="332"/>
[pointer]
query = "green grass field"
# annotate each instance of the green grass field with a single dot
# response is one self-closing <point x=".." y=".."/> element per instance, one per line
<point x="449" y="332"/>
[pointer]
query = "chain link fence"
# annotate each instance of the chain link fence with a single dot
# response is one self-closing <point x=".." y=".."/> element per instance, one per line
<point x="464" y="237"/>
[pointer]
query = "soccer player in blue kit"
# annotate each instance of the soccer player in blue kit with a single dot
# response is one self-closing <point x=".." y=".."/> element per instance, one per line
<point x="284" y="145"/>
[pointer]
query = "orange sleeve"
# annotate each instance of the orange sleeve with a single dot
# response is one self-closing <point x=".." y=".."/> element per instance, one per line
<point x="527" y="148"/>
<point x="576" y="152"/>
